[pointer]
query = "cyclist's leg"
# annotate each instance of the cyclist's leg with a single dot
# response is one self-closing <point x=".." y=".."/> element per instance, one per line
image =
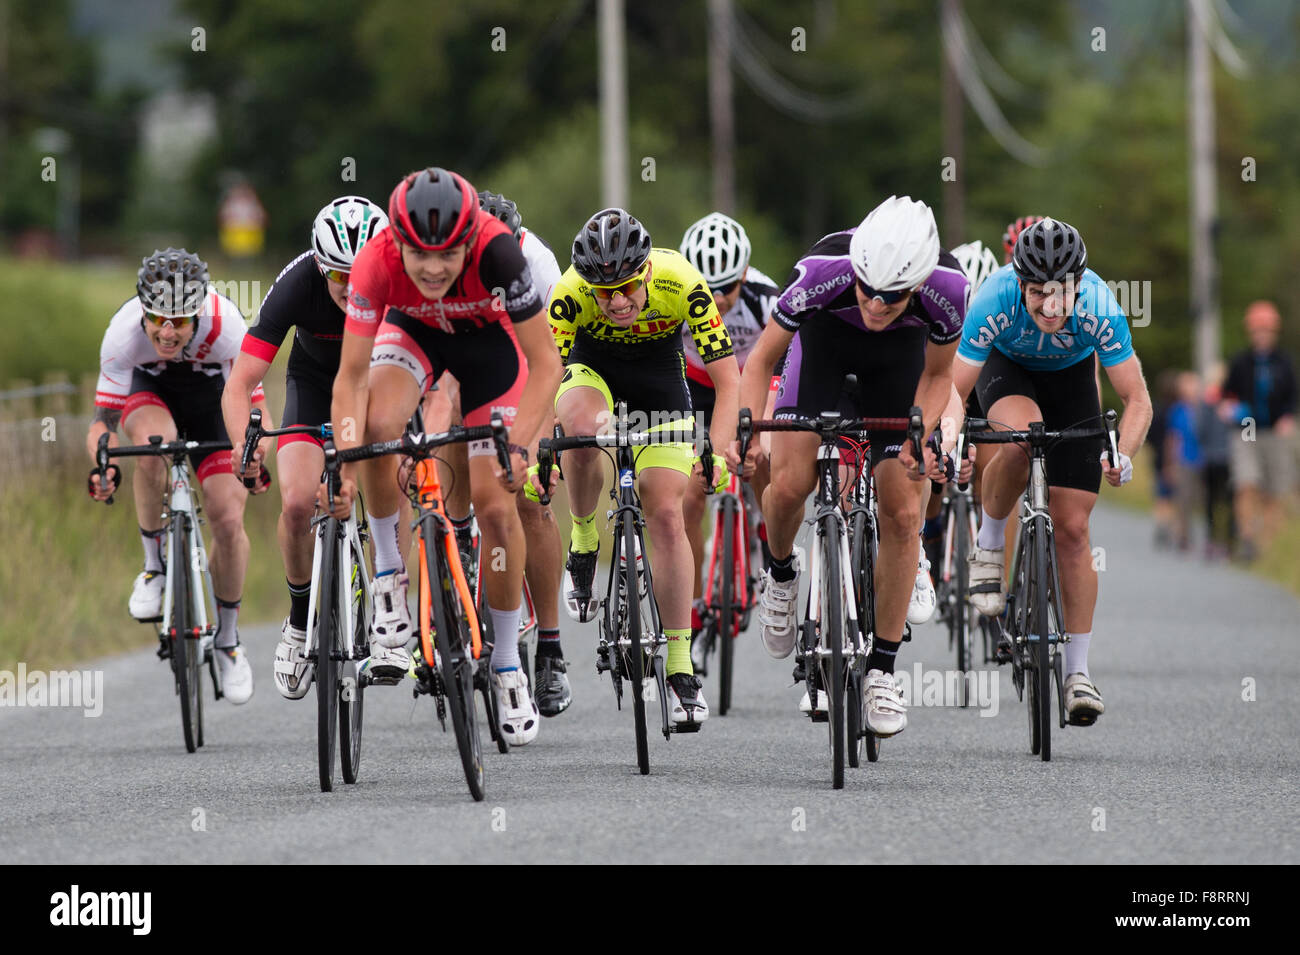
<point x="582" y="406"/>
<point x="898" y="520"/>
<point x="145" y="414"/>
<point x="693" y="505"/>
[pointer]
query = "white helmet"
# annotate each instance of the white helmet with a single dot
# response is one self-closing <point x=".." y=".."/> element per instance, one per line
<point x="718" y="246"/>
<point x="897" y="245"/>
<point x="342" y="228"/>
<point x="977" y="261"/>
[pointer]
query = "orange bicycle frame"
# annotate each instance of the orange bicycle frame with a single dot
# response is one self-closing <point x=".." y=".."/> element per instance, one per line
<point x="430" y="499"/>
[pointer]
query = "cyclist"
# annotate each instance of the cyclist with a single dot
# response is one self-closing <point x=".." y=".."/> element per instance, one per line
<point x="544" y="568"/>
<point x="616" y="315"/>
<point x="883" y="302"/>
<point x="446" y="288"/>
<point x="1027" y="345"/>
<point x="719" y="248"/>
<point x="309" y="294"/>
<point x="162" y="365"/>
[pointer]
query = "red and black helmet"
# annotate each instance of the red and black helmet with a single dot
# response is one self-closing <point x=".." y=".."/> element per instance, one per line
<point x="1013" y="232"/>
<point x="433" y="209"/>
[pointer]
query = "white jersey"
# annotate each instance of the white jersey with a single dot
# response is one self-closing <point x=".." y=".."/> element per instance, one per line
<point x="126" y="347"/>
<point x="744" y="322"/>
<point x="542" y="263"/>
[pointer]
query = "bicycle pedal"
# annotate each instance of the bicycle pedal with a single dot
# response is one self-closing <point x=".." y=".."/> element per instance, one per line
<point x="157" y="619"/>
<point x="690" y="726"/>
<point x="819" y="716"/>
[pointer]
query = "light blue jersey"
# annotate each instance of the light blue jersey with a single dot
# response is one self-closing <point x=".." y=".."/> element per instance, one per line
<point x="997" y="318"/>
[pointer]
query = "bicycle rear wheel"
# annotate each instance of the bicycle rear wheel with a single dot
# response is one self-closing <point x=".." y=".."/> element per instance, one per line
<point x="185" y="651"/>
<point x="454" y="642"/>
<point x="327" y="645"/>
<point x="351" y="692"/>
<point x="726" y="604"/>
<point x="631" y="593"/>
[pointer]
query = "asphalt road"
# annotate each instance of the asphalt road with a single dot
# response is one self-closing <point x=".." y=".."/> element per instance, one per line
<point x="1182" y="768"/>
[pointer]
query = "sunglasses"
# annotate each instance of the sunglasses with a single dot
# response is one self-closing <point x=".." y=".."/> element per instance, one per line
<point x="887" y="298"/>
<point x="607" y="292"/>
<point x="334" y="275"/>
<point x="726" y="289"/>
<point x="177" y="321"/>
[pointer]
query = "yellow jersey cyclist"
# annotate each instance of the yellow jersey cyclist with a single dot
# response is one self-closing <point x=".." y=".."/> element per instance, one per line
<point x="616" y="315"/>
<point x="719" y="248"/>
<point x="1027" y="345"/>
<point x="163" y="365"/>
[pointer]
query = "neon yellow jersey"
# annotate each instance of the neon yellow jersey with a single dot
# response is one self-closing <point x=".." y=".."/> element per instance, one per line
<point x="677" y="294"/>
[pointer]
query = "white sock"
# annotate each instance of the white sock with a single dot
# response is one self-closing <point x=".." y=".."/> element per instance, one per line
<point x="991" y="535"/>
<point x="383" y="531"/>
<point x="152" y="542"/>
<point x="227" y="628"/>
<point x="505" y="625"/>
<point x="1076" y="653"/>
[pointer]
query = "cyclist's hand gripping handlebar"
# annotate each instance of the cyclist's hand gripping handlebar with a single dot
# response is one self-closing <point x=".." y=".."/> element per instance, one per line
<point x="252" y="435"/>
<point x="102" y="469"/>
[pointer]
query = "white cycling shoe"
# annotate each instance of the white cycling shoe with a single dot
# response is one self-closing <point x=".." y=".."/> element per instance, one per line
<point x="391" y="626"/>
<point x="886" y="712"/>
<point x="776" y="614"/>
<point x="921" y="607"/>
<point x="147" y="595"/>
<point x="386" y="665"/>
<point x="293" y="672"/>
<point x="686" y="703"/>
<point x="987" y="571"/>
<point x="823" y="702"/>
<point x="517" y="716"/>
<point x="236" y="674"/>
<point x="1082" y="700"/>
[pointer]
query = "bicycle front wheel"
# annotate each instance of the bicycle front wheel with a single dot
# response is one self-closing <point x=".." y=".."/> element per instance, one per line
<point x="959" y="620"/>
<point x="351" y="692"/>
<point x="453" y="639"/>
<point x="832" y="637"/>
<point x="726" y="605"/>
<point x="1041" y="627"/>
<point x="630" y="613"/>
<point x="327" y="644"/>
<point x="186" y="651"/>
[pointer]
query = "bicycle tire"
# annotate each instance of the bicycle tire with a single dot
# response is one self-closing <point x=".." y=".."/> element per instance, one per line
<point x="1042" y="625"/>
<point x="351" y="709"/>
<point x="635" y="656"/>
<point x="483" y="684"/>
<point x="457" y="665"/>
<point x="860" y="564"/>
<point x="726" y="605"/>
<point x="183" y="648"/>
<point x="832" y="635"/>
<point x="327" y="642"/>
<point x="959" y="619"/>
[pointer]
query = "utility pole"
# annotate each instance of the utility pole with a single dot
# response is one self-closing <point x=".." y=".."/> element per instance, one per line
<point x="954" y="143"/>
<point x="721" y="113"/>
<point x="1204" y="200"/>
<point x="610" y="27"/>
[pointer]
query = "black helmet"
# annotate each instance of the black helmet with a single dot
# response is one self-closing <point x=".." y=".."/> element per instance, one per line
<point x="172" y="282"/>
<point x="495" y="204"/>
<point x="1049" y="251"/>
<point x="611" y="248"/>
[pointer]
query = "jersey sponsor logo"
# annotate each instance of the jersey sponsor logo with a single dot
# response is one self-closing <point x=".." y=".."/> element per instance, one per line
<point x="359" y="300"/>
<point x="668" y="284"/>
<point x="942" y="302"/>
<point x="363" y="314"/>
<point x="564" y="308"/>
<point x="699" y="302"/>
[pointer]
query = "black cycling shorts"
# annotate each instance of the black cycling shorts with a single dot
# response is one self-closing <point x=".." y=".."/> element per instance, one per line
<point x="653" y="381"/>
<point x="888" y="366"/>
<point x="193" y="399"/>
<point x="1067" y="398"/>
<point x="308" y="392"/>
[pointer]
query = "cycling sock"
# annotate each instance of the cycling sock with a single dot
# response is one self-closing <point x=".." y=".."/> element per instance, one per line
<point x="548" y="643"/>
<point x="882" y="655"/>
<point x="383" y="531"/>
<point x="152" y="541"/>
<point x="1076" y="653"/>
<point x="299" y="599"/>
<point x="679" y="652"/>
<point x="783" y="569"/>
<point x="505" y="651"/>
<point x="463" y="524"/>
<point x="992" y="531"/>
<point x="584" y="538"/>
<point x="932" y="527"/>
<point x="227" y="631"/>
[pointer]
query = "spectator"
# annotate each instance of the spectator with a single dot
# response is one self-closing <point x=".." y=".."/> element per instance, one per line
<point x="1262" y="457"/>
<point x="1183" y="456"/>
<point x="1163" y="507"/>
<point x="1214" y="435"/>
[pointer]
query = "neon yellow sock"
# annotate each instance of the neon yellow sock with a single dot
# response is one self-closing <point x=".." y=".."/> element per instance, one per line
<point x="679" y="651"/>
<point x="584" y="538"/>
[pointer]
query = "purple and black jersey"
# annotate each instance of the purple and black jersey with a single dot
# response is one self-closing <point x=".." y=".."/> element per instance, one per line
<point x="822" y="286"/>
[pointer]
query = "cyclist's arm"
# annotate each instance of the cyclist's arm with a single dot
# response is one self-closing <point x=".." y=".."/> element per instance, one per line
<point x="104" y="420"/>
<point x="965" y="374"/>
<point x="544" y="372"/>
<point x="725" y="375"/>
<point x="242" y="393"/>
<point x="1126" y="378"/>
<point x="935" y="388"/>
<point x="351" y="391"/>
<point x="756" y="380"/>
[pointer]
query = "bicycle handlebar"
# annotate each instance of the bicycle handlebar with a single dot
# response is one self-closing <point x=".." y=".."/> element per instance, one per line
<point x="254" y="433"/>
<point x="1038" y="436"/>
<point x="830" y="424"/>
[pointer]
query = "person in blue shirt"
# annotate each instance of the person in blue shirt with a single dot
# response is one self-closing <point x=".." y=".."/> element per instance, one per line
<point x="1027" y="345"/>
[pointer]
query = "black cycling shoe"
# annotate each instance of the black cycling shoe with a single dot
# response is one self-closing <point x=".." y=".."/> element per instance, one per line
<point x="551" y="684"/>
<point x="686" y="703"/>
<point x="579" y="575"/>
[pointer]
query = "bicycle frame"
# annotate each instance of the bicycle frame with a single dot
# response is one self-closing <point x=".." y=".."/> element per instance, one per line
<point x="827" y="501"/>
<point x="182" y="506"/>
<point x="349" y="570"/>
<point x="433" y="524"/>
